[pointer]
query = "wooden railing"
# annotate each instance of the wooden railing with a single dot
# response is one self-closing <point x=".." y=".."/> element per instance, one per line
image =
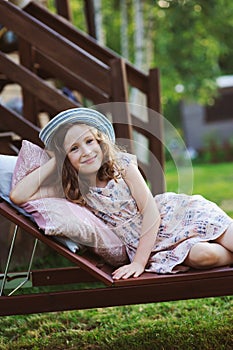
<point x="50" y="47"/>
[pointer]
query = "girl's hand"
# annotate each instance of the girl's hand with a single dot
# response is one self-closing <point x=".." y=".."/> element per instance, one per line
<point x="134" y="269"/>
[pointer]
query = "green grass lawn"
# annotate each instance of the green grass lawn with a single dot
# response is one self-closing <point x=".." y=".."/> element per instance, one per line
<point x="205" y="324"/>
<point x="213" y="181"/>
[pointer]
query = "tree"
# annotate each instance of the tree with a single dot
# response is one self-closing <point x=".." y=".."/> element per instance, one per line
<point x="124" y="29"/>
<point x="99" y="22"/>
<point x="189" y="40"/>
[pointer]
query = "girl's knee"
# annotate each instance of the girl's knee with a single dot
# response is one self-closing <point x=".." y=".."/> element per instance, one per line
<point x="202" y="255"/>
<point x="226" y="239"/>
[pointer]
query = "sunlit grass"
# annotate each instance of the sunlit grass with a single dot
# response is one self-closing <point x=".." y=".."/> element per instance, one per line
<point x="213" y="181"/>
<point x="194" y="324"/>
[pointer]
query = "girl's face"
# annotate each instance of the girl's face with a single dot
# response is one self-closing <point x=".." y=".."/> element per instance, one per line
<point x="83" y="150"/>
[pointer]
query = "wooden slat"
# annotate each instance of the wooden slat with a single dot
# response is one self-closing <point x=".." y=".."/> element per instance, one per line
<point x="156" y="144"/>
<point x="63" y="9"/>
<point x="35" y="85"/>
<point x="60" y="276"/>
<point x="4" y="81"/>
<point x="192" y="275"/>
<point x="167" y="289"/>
<point x="120" y="113"/>
<point x="30" y="101"/>
<point x="51" y="69"/>
<point x="10" y="120"/>
<point x="90" y="17"/>
<point x="52" y="43"/>
<point x="153" y="94"/>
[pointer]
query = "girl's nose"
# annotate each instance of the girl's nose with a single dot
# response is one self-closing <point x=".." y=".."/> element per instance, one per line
<point x="85" y="150"/>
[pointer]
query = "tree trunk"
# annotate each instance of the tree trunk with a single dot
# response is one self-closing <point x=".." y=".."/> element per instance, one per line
<point x="124" y="30"/>
<point x="139" y="34"/>
<point x="99" y="22"/>
<point x="136" y="97"/>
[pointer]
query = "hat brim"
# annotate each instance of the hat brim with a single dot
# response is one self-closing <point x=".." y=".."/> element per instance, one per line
<point x="77" y="116"/>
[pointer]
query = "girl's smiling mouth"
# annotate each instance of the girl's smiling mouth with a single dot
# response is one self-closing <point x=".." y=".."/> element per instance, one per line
<point x="89" y="160"/>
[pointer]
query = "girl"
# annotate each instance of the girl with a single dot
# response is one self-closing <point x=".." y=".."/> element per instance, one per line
<point x="165" y="234"/>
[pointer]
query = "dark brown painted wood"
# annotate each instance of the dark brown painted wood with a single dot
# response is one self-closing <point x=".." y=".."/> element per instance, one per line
<point x="51" y="43"/>
<point x="10" y="120"/>
<point x="90" y="17"/>
<point x="63" y="9"/>
<point x="176" y="289"/>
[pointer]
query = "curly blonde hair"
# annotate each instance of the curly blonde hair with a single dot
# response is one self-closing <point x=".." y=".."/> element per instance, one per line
<point x="73" y="185"/>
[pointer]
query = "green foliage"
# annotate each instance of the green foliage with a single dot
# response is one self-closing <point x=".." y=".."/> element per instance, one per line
<point x="189" y="45"/>
<point x="191" y="42"/>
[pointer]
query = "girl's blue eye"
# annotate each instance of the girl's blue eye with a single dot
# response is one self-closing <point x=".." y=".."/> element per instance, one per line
<point x="74" y="148"/>
<point x="90" y="140"/>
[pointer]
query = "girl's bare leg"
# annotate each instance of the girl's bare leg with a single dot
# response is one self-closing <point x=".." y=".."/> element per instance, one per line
<point x="204" y="255"/>
<point x="226" y="239"/>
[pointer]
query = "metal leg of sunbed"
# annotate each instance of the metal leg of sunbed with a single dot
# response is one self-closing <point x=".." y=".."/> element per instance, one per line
<point x="9" y="259"/>
<point x="10" y="254"/>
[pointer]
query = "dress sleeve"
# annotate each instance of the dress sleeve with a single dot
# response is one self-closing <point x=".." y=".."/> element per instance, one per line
<point x="125" y="159"/>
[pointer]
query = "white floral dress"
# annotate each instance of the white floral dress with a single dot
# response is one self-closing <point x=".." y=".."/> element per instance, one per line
<point x="185" y="221"/>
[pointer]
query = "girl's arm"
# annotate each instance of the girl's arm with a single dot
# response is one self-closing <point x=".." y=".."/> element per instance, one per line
<point x="30" y="187"/>
<point x="150" y="224"/>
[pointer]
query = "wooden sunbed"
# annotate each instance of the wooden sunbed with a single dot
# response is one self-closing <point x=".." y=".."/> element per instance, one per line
<point x="103" y="291"/>
<point x="92" y="271"/>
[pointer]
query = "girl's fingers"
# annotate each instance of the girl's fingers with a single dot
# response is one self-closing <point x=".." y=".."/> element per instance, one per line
<point x="126" y="272"/>
<point x="120" y="273"/>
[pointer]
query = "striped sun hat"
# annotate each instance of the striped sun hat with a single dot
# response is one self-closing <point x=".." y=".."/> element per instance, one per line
<point x="77" y="115"/>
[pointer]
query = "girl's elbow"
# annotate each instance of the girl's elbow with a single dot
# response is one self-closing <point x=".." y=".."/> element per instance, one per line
<point x="15" y="199"/>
